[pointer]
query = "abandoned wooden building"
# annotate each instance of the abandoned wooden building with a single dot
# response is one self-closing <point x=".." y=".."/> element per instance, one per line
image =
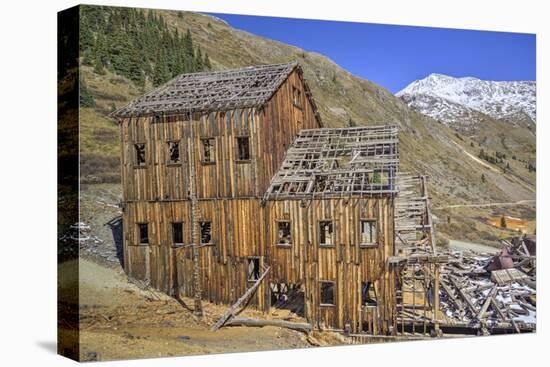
<point x="232" y="188"/>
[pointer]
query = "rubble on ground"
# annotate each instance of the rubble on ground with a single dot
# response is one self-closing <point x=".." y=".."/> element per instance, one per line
<point x="491" y="291"/>
<point x="82" y="235"/>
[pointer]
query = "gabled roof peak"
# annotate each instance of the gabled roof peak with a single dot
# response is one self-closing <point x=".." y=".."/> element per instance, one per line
<point x="250" y="86"/>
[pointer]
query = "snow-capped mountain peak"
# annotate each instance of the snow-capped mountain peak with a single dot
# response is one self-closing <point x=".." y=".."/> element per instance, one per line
<point x="456" y="100"/>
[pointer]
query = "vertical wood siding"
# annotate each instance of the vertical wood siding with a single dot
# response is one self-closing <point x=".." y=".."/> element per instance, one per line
<point x="242" y="228"/>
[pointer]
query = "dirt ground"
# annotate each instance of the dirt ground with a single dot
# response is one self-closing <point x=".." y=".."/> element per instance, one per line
<point x="121" y="320"/>
<point x="482" y="224"/>
<point x="515" y="224"/>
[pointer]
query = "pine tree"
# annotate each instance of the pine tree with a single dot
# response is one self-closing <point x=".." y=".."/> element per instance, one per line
<point x="86" y="36"/>
<point x="100" y="49"/>
<point x="86" y="98"/>
<point x="161" y="73"/>
<point x="189" y="53"/>
<point x="199" y="66"/>
<point x="503" y="222"/>
<point x="128" y="42"/>
<point x="482" y="154"/>
<point x="207" y="64"/>
<point x="98" y="66"/>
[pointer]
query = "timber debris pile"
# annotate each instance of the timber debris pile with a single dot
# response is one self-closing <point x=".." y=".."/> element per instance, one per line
<point x="492" y="292"/>
<point x="460" y="292"/>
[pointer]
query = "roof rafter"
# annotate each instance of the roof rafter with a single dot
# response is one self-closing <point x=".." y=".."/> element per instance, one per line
<point x="251" y="86"/>
<point x="361" y="161"/>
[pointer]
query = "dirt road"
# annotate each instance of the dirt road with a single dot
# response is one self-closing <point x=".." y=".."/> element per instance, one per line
<point x="473" y="157"/>
<point x="483" y="205"/>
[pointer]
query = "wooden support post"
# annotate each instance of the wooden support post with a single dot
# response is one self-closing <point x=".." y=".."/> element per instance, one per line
<point x="428" y="214"/>
<point x="436" y="299"/>
<point x="195" y="233"/>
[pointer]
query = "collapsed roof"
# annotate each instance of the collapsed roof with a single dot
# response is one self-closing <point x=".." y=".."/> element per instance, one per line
<point x="361" y="161"/>
<point x="251" y="86"/>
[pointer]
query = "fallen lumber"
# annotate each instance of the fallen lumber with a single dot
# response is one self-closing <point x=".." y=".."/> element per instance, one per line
<point x="243" y="321"/>
<point x="513" y="322"/>
<point x="464" y="296"/>
<point x="485" y="306"/>
<point x="231" y="310"/>
<point x="497" y="308"/>
<point x="449" y="292"/>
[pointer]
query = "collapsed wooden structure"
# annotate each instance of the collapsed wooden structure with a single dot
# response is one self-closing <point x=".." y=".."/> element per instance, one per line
<point x="233" y="192"/>
<point x="487" y="298"/>
<point x="440" y="291"/>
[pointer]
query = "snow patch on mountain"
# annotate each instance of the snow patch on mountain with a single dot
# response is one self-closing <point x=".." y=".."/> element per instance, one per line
<point x="457" y="100"/>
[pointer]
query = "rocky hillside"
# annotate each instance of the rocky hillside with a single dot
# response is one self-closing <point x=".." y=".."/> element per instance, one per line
<point x="463" y="103"/>
<point x="449" y="158"/>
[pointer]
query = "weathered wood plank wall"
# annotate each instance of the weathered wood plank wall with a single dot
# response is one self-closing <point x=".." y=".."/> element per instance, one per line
<point x="270" y="130"/>
<point x="280" y="122"/>
<point x="237" y="234"/>
<point x="346" y="262"/>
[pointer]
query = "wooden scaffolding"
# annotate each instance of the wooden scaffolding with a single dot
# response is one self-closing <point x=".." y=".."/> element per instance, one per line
<point x="416" y="263"/>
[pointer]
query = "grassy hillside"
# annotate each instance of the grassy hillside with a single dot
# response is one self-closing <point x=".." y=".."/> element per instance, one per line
<point x="426" y="146"/>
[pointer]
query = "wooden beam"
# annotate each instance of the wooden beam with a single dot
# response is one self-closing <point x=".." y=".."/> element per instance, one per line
<point x="242" y="321"/>
<point x="487" y="302"/>
<point x="231" y="310"/>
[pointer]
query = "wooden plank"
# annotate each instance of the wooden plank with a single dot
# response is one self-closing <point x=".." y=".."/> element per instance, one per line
<point x="230" y="311"/>
<point x="241" y="321"/>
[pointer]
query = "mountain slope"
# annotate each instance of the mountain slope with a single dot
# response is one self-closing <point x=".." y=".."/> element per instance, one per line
<point x="499" y="116"/>
<point x="497" y="99"/>
<point x="426" y="146"/>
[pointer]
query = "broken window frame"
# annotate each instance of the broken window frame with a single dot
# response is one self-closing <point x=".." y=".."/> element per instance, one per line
<point x="278" y="242"/>
<point x="296" y="97"/>
<point x="210" y="242"/>
<point x="323" y="283"/>
<point x="143" y="226"/>
<point x="332" y="235"/>
<point x="250" y="276"/>
<point x="169" y="160"/>
<point x="211" y="148"/>
<point x="238" y="157"/>
<point x="140" y="160"/>
<point x="174" y="242"/>
<point x="371" y="243"/>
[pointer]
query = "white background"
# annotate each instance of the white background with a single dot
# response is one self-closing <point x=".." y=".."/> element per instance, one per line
<point x="28" y="180"/>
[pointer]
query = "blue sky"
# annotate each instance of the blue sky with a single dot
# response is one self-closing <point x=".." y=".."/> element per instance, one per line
<point x="394" y="56"/>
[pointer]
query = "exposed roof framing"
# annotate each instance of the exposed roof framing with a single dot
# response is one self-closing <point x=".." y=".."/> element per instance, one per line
<point x="360" y="161"/>
<point x="414" y="230"/>
<point x="251" y="86"/>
